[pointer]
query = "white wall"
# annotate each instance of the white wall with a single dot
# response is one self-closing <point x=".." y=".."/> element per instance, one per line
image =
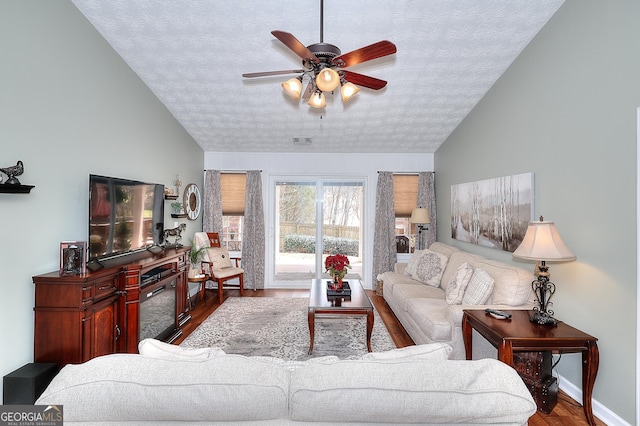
<point x="566" y="111"/>
<point x="322" y="165"/>
<point x="69" y="107"/>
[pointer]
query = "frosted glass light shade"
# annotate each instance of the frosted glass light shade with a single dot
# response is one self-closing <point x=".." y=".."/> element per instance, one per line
<point x="420" y="215"/>
<point x="327" y="80"/>
<point x="348" y="90"/>
<point x="542" y="242"/>
<point x="317" y="100"/>
<point x="293" y="87"/>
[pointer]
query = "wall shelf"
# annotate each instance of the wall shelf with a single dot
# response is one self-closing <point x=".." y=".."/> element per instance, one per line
<point x="15" y="189"/>
<point x="170" y="197"/>
<point x="178" y="216"/>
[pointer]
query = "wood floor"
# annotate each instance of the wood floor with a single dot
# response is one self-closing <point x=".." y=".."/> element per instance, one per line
<point x="566" y="413"/>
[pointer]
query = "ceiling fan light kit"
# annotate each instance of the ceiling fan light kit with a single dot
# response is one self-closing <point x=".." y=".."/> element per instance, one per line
<point x="320" y="61"/>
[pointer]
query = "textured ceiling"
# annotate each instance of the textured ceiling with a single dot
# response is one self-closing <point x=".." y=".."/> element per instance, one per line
<point x="191" y="54"/>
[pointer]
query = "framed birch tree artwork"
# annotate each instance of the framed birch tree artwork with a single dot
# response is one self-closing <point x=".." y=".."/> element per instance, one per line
<point x="493" y="212"/>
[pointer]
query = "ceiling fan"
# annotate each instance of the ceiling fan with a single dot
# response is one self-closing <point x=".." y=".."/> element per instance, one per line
<point x="324" y="66"/>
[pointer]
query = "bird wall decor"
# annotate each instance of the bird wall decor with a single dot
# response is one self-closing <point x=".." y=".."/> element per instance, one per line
<point x="12" y="172"/>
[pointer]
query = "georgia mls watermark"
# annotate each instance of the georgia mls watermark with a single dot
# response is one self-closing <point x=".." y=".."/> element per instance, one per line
<point x="31" y="415"/>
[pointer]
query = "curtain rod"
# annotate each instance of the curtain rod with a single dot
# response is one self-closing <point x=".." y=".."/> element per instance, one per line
<point x="405" y="173"/>
<point x="230" y="171"/>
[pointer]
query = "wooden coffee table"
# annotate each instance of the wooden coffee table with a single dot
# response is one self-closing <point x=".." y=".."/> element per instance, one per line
<point x="357" y="303"/>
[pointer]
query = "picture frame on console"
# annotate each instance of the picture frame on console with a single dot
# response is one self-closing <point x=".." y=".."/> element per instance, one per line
<point x="73" y="258"/>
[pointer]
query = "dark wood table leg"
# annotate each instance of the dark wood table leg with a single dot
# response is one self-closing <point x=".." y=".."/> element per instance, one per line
<point x="312" y="324"/>
<point x="590" y="363"/>
<point x="369" y="329"/>
<point x="505" y="352"/>
<point x="467" y="337"/>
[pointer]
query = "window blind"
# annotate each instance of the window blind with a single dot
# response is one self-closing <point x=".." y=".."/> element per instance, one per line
<point x="232" y="187"/>
<point x="405" y="194"/>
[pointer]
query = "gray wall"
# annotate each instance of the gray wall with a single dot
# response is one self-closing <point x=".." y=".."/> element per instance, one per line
<point x="566" y="111"/>
<point x="69" y="106"/>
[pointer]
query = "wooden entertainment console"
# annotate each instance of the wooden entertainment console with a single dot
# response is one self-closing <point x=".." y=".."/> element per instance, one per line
<point x="98" y="313"/>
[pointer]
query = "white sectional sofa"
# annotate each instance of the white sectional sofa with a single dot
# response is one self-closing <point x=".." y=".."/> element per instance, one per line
<point x="429" y="294"/>
<point x="173" y="385"/>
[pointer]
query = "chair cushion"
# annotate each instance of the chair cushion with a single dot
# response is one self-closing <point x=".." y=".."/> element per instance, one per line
<point x="227" y="272"/>
<point x="219" y="257"/>
<point x="430" y="315"/>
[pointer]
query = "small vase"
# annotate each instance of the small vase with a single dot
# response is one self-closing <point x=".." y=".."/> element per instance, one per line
<point x="337" y="282"/>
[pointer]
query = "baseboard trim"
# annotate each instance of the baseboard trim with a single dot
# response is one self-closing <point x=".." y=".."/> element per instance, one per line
<point x="600" y="411"/>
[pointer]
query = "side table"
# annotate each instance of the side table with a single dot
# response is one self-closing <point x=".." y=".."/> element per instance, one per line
<point x="518" y="334"/>
<point x="202" y="280"/>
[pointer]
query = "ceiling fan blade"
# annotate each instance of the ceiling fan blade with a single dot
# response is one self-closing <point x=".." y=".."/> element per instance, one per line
<point x="268" y="73"/>
<point x="292" y="43"/>
<point x="363" y="80"/>
<point x="367" y="53"/>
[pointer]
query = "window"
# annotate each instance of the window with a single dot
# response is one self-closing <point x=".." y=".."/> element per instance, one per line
<point x="232" y="188"/>
<point x="405" y="198"/>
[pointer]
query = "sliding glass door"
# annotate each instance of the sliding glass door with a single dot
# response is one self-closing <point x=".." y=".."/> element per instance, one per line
<point x="313" y="219"/>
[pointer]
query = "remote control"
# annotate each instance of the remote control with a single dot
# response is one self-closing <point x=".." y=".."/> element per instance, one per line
<point x="497" y="314"/>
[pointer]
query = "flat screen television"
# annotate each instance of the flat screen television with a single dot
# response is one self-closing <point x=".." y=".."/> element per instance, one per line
<point x="125" y="216"/>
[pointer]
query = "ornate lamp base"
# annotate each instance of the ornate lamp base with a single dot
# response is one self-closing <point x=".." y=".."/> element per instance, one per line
<point x="543" y="290"/>
<point x="543" y="319"/>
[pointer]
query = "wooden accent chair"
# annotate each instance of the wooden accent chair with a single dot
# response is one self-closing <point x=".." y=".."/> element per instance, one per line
<point x="218" y="263"/>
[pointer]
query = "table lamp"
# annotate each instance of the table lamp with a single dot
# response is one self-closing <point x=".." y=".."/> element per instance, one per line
<point x="542" y="243"/>
<point x="420" y="216"/>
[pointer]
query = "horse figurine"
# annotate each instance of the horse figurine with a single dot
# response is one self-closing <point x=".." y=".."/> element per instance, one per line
<point x="174" y="232"/>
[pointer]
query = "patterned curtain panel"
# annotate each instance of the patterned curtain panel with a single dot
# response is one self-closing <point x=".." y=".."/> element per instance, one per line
<point x="212" y="208"/>
<point x="384" y="239"/>
<point x="253" y="255"/>
<point x="427" y="198"/>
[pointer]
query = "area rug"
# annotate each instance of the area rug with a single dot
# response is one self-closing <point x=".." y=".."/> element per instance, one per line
<point x="278" y="327"/>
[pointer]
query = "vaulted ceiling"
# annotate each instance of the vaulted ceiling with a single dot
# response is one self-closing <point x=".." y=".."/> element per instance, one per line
<point x="191" y="54"/>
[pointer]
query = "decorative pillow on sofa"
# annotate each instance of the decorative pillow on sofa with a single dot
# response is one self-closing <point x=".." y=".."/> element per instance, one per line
<point x="458" y="284"/>
<point x="430" y="268"/>
<point x="413" y="262"/>
<point x="432" y="351"/>
<point x="479" y="288"/>
<point x="156" y="349"/>
<point x="219" y="257"/>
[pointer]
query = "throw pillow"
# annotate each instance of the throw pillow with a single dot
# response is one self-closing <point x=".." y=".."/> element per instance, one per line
<point x="219" y="257"/>
<point x="458" y="284"/>
<point x="413" y="263"/>
<point x="479" y="288"/>
<point x="432" y="351"/>
<point x="156" y="349"/>
<point x="430" y="268"/>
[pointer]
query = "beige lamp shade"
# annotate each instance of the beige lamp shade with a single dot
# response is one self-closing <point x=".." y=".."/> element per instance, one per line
<point x="542" y="242"/>
<point x="293" y="87"/>
<point x="420" y="215"/>
<point x="327" y="80"/>
<point x="317" y="100"/>
<point x="348" y="90"/>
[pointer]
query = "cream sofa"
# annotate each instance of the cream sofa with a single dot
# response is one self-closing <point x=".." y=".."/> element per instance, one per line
<point x="431" y="313"/>
<point x="173" y="385"/>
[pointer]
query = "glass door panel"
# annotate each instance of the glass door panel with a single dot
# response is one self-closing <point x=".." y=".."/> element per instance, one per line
<point x="295" y="230"/>
<point x="342" y="206"/>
